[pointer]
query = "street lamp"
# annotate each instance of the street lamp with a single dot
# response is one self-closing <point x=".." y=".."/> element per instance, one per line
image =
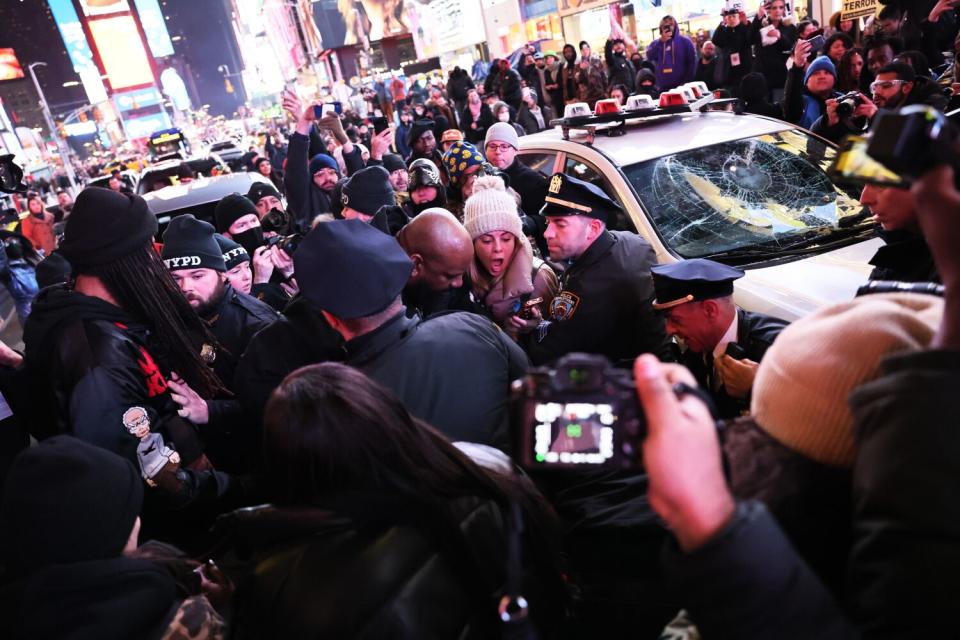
<point x="61" y="145"/>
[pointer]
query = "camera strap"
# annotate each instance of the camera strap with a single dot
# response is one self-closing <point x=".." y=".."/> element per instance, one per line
<point x="513" y="608"/>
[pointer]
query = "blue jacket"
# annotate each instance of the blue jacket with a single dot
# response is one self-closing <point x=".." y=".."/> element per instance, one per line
<point x="675" y="61"/>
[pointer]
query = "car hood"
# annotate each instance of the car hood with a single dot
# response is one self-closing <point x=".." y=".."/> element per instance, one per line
<point x="794" y="289"/>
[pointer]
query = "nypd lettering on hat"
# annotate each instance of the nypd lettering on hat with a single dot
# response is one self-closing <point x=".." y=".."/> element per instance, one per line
<point x="234" y="253"/>
<point x="182" y="262"/>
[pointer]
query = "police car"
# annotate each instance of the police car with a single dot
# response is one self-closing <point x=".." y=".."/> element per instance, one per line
<point x="744" y="190"/>
<point x="199" y="197"/>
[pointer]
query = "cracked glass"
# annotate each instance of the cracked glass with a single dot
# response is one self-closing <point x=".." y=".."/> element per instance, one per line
<point x="751" y="197"/>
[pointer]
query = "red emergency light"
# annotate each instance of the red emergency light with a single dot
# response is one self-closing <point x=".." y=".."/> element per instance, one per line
<point x="609" y="105"/>
<point x="671" y="99"/>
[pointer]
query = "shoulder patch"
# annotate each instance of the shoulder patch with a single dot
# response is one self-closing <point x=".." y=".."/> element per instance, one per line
<point x="563" y="306"/>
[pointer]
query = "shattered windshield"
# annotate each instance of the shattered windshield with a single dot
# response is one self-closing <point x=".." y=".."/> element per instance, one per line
<point x="760" y="194"/>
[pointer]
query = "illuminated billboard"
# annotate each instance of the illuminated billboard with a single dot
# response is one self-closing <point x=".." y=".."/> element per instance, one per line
<point x="103" y="7"/>
<point x="79" y="51"/>
<point x="10" y="68"/>
<point x="121" y="52"/>
<point x="155" y="28"/>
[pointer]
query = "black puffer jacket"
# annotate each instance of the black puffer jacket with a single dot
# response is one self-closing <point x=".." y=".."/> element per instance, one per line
<point x="370" y="568"/>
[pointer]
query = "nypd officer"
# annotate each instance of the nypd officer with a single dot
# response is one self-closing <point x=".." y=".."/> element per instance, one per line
<point x="604" y="303"/>
<point x="196" y="262"/>
<point x="724" y="343"/>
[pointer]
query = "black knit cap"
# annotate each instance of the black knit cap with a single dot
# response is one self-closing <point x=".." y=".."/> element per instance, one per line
<point x="54" y="269"/>
<point x="393" y="162"/>
<point x="233" y="253"/>
<point x="230" y="209"/>
<point x="419" y="128"/>
<point x="66" y="501"/>
<point x="261" y="189"/>
<point x="106" y="225"/>
<point x="367" y="190"/>
<point x="350" y="269"/>
<point x="188" y="243"/>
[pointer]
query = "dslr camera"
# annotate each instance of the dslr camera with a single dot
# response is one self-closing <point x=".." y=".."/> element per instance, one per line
<point x="582" y="413"/>
<point x="848" y="103"/>
<point x="287" y="244"/>
<point x="276" y="221"/>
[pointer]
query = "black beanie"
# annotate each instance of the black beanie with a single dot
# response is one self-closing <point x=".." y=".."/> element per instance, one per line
<point x="106" y="225"/>
<point x="367" y="190"/>
<point x="393" y="162"/>
<point x="231" y="208"/>
<point x="419" y="128"/>
<point x="67" y="501"/>
<point x="260" y="189"/>
<point x="233" y="253"/>
<point x="188" y="243"/>
<point x="54" y="269"/>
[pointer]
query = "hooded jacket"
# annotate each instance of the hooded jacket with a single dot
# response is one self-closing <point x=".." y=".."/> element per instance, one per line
<point x="618" y="67"/>
<point x="675" y="60"/>
<point x="89" y="363"/>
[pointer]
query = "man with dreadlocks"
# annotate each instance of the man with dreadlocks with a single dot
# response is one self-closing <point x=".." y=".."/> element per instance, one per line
<point x="101" y="349"/>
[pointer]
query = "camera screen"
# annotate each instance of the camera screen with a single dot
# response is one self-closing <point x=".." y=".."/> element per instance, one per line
<point x="573" y="433"/>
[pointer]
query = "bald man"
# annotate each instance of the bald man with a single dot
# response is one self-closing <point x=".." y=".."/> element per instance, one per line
<point x="441" y="251"/>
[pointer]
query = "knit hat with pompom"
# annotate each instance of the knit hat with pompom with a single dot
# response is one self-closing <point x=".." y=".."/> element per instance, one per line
<point x="491" y="208"/>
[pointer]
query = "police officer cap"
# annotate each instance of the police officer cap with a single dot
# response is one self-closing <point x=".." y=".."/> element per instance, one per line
<point x="688" y="280"/>
<point x="569" y="196"/>
<point x="350" y="269"/>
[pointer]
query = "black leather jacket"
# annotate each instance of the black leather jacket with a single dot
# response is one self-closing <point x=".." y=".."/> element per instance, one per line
<point x="89" y="363"/>
<point x="370" y="568"/>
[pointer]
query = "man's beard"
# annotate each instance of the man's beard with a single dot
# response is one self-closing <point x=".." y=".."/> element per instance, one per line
<point x="205" y="309"/>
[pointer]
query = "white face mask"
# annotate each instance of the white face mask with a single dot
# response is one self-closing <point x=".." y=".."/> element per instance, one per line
<point x="504" y="116"/>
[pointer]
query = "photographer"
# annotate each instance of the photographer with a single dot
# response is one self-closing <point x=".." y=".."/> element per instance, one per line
<point x="896" y="85"/>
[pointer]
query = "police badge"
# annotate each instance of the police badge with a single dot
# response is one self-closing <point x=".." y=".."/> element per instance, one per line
<point x="563" y="306"/>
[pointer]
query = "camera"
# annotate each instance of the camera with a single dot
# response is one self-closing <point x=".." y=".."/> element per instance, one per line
<point x="11" y="175"/>
<point x="287" y="244"/>
<point x="583" y="413"/>
<point x="276" y="221"/>
<point x="912" y="140"/>
<point x="848" y="103"/>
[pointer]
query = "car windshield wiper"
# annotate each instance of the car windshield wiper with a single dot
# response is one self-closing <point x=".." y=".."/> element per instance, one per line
<point x="812" y="241"/>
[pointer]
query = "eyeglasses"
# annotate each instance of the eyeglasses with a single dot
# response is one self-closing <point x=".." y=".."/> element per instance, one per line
<point x="499" y="148"/>
<point x="884" y="84"/>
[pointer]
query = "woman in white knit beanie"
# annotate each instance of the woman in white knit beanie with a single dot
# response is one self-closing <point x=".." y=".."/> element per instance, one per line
<point x="504" y="273"/>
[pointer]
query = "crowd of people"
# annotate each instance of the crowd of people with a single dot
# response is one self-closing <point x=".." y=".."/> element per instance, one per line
<point x="298" y="418"/>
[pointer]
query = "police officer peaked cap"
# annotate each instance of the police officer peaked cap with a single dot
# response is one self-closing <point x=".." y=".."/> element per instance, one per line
<point x="569" y="196"/>
<point x="350" y="269"/>
<point x="688" y="280"/>
<point x="189" y="243"/>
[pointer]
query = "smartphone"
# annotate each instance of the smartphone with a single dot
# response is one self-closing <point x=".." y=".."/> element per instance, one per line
<point x="854" y="166"/>
<point x="380" y="124"/>
<point x="735" y="351"/>
<point x="816" y="43"/>
<point x="526" y="309"/>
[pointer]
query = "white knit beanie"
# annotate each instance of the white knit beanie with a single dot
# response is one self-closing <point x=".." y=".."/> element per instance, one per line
<point x="502" y="132"/>
<point x="491" y="208"/>
<point x="800" y="395"/>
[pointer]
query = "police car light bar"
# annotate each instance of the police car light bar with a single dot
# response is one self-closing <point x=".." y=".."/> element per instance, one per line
<point x="578" y="116"/>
